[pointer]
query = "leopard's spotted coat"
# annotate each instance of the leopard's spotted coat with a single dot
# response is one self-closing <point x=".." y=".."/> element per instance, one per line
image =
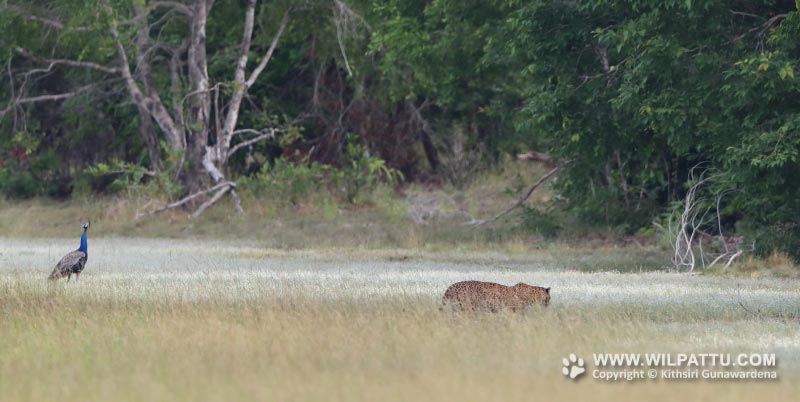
<point x="476" y="295"/>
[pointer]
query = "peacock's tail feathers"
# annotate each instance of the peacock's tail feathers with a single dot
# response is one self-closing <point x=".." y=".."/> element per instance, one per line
<point x="58" y="273"/>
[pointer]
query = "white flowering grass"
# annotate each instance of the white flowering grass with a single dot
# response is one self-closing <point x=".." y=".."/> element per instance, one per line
<point x="202" y="320"/>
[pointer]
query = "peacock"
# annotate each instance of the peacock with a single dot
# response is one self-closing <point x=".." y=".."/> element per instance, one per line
<point x="73" y="262"/>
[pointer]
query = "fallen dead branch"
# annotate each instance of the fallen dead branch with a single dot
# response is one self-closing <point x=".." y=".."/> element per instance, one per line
<point x="183" y="201"/>
<point x="741" y="304"/>
<point x="520" y="201"/>
<point x="757" y="312"/>
<point x="537" y="157"/>
<point x="211" y="201"/>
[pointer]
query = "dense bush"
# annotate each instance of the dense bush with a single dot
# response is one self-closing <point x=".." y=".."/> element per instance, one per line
<point x="295" y="182"/>
<point x="286" y="181"/>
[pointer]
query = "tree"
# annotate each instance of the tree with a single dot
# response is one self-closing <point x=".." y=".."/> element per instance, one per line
<point x="637" y="93"/>
<point x="633" y="93"/>
<point x="196" y="114"/>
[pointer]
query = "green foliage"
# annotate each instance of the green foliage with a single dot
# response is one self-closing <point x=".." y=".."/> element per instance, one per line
<point x="362" y="173"/>
<point x="286" y="181"/>
<point x="542" y="223"/>
<point x="437" y="53"/>
<point x="25" y="175"/>
<point x="636" y="93"/>
<point x="632" y="93"/>
<point x="295" y="182"/>
<point x="115" y="176"/>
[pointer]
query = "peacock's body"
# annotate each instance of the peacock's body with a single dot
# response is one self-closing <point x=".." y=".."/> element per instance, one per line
<point x="74" y="262"/>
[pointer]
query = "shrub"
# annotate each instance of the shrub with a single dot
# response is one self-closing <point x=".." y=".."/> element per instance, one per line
<point x="293" y="182"/>
<point x="362" y="173"/>
<point x="287" y="181"/>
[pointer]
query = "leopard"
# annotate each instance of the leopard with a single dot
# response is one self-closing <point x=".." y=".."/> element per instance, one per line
<point x="493" y="297"/>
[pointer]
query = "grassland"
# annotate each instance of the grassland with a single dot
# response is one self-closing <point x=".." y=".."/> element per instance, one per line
<point x="414" y="217"/>
<point x="328" y="302"/>
<point x="156" y="319"/>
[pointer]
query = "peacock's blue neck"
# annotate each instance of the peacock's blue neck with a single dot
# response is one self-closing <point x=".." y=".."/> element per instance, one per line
<point x="83" y="242"/>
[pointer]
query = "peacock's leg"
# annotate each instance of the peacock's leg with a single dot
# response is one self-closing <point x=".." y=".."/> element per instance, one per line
<point x="69" y="276"/>
<point x="77" y="275"/>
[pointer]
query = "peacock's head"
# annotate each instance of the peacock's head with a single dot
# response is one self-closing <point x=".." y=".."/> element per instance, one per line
<point x="85" y="226"/>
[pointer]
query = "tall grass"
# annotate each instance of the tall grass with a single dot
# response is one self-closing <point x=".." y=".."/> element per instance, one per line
<point x="62" y="346"/>
<point x="207" y="321"/>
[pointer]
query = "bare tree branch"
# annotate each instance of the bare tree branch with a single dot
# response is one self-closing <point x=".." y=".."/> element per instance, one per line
<point x="73" y="63"/>
<point x="51" y="97"/>
<point x="179" y="7"/>
<point x="262" y="136"/>
<point x="536" y="156"/>
<point x="176" y="85"/>
<point x="237" y="202"/>
<point x="221" y="151"/>
<point x="13" y="94"/>
<point x="424" y="129"/>
<point x="521" y="200"/>
<point x="188" y="198"/>
<point x="729" y="256"/>
<point x="209" y="165"/>
<point x="199" y="111"/>
<point x="154" y="106"/>
<point x="53" y="23"/>
<point x="745" y="14"/>
<point x="343" y="19"/>
<point x="50" y="22"/>
<point x="247" y="131"/>
<point x="264" y="60"/>
<point x="688" y="231"/>
<point x="211" y="201"/>
<point x="232" y="116"/>
<point x="772" y="21"/>
<point x="247" y="37"/>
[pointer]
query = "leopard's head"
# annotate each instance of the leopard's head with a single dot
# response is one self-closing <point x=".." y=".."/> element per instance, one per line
<point x="533" y="294"/>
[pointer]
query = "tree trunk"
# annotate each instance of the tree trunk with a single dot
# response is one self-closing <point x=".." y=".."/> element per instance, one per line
<point x="149" y="139"/>
<point x="145" y="75"/>
<point x="431" y="154"/>
<point x="199" y="99"/>
<point x="187" y="126"/>
<point x="186" y="121"/>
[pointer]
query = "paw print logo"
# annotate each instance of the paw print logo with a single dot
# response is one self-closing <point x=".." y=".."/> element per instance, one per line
<point x="573" y="366"/>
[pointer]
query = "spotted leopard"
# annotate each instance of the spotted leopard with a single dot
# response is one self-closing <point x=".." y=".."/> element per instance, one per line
<point x="476" y="295"/>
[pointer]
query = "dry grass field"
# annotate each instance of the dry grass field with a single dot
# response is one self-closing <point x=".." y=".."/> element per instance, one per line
<point x="164" y="320"/>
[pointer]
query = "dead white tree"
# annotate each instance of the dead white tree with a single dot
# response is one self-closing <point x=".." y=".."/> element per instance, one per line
<point x="189" y="125"/>
<point x="185" y="118"/>
<point x="687" y="229"/>
<point x="689" y="221"/>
